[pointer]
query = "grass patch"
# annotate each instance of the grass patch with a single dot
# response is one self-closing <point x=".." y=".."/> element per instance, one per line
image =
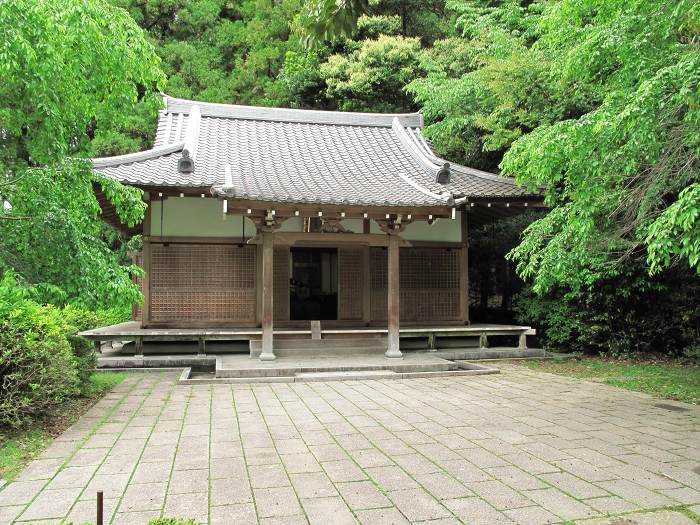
<point x="665" y="379"/>
<point x="19" y="447"/>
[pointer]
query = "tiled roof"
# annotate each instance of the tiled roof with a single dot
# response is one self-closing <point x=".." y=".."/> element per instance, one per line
<point x="301" y="156"/>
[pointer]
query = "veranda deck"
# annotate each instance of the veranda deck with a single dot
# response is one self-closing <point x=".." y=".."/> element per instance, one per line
<point x="132" y="331"/>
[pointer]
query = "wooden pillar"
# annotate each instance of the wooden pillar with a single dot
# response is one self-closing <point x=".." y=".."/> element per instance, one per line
<point x="464" y="270"/>
<point x="393" y="350"/>
<point x="267" y="353"/>
<point x="146" y="262"/>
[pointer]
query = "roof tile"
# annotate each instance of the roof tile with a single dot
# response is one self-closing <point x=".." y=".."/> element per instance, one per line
<point x="305" y="156"/>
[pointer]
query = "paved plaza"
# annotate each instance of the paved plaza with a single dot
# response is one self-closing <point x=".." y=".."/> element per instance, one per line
<point x="519" y="447"/>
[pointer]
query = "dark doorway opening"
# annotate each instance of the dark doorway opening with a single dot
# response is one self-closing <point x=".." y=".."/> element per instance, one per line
<point x="313" y="287"/>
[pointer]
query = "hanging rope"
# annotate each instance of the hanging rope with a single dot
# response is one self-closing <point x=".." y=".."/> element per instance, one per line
<point x="162" y="209"/>
<point x="240" y="245"/>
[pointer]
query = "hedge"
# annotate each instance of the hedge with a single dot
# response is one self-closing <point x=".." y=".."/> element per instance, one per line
<point x="42" y="361"/>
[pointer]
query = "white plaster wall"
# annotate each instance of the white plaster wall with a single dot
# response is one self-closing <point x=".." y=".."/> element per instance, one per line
<point x="443" y="230"/>
<point x="293" y="224"/>
<point x="197" y="217"/>
<point x="353" y="225"/>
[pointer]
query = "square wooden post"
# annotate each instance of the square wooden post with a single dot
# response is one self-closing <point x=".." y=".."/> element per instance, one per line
<point x="393" y="350"/>
<point x="146" y="262"/>
<point x="267" y="353"/>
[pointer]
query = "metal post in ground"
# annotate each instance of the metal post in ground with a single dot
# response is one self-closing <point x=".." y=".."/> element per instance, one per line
<point x="100" y="508"/>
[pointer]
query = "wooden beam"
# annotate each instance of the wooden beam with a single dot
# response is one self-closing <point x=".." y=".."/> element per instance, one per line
<point x="267" y="353"/>
<point x="181" y="239"/>
<point x="337" y="239"/>
<point x="393" y="351"/>
<point x="335" y="211"/>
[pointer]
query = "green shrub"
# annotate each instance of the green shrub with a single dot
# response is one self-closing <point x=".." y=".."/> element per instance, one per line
<point x="630" y="315"/>
<point x="79" y="319"/>
<point x="42" y="360"/>
<point x="85" y="359"/>
<point x="37" y="366"/>
<point x="82" y="319"/>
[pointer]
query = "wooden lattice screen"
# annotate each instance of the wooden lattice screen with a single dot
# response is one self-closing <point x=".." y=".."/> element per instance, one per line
<point x="428" y="286"/>
<point x="280" y="286"/>
<point x="193" y="283"/>
<point x="351" y="276"/>
<point x="136" y="310"/>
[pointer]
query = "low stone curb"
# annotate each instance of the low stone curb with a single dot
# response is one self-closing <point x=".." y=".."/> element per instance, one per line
<point x="465" y="369"/>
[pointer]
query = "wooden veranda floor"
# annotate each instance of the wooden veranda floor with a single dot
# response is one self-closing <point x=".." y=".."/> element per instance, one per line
<point x="131" y="330"/>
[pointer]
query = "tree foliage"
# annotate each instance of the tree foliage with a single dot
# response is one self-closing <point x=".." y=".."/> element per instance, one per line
<point x="614" y="172"/>
<point x="68" y="67"/>
<point x="596" y="100"/>
<point x="372" y="77"/>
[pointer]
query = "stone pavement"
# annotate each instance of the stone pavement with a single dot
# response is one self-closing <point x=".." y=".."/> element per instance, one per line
<point x="519" y="447"/>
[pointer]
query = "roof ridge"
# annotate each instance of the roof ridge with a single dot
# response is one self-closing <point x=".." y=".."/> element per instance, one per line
<point x="417" y="153"/>
<point x="306" y="116"/>
<point x="443" y="197"/>
<point x="459" y="168"/>
<point x="116" y="160"/>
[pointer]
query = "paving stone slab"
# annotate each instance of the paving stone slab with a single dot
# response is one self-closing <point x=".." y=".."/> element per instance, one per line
<point x="388" y="516"/>
<point x="276" y="502"/>
<point x="51" y="504"/>
<point x="241" y="514"/>
<point x="520" y="447"/>
<point x="320" y="510"/>
<point x="194" y="506"/>
<point x="647" y="518"/>
<point x="418" y="505"/>
<point x="313" y="485"/>
<point x="476" y="511"/>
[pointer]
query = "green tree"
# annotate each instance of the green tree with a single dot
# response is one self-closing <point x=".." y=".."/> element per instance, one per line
<point x="372" y="77"/>
<point x="220" y="51"/>
<point x="68" y="66"/>
<point x="486" y="88"/>
<point x="598" y="101"/>
<point x="623" y="176"/>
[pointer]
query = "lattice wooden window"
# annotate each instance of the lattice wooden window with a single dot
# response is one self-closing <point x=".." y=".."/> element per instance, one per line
<point x="378" y="283"/>
<point x="280" y="285"/>
<point x="351" y="276"/>
<point x="428" y="284"/>
<point x="202" y="283"/>
<point x="136" y="310"/>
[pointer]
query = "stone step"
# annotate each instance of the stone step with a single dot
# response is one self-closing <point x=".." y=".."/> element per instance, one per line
<point x="332" y="346"/>
<point x="326" y="342"/>
<point x="255" y="369"/>
<point x="476" y="354"/>
<point x="347" y="374"/>
<point x="337" y="376"/>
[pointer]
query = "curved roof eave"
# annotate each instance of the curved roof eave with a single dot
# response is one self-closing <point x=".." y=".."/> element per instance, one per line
<point x="108" y="162"/>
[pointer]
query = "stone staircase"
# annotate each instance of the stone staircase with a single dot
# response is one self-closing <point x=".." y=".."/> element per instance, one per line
<point x="288" y="347"/>
<point x="320" y="367"/>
